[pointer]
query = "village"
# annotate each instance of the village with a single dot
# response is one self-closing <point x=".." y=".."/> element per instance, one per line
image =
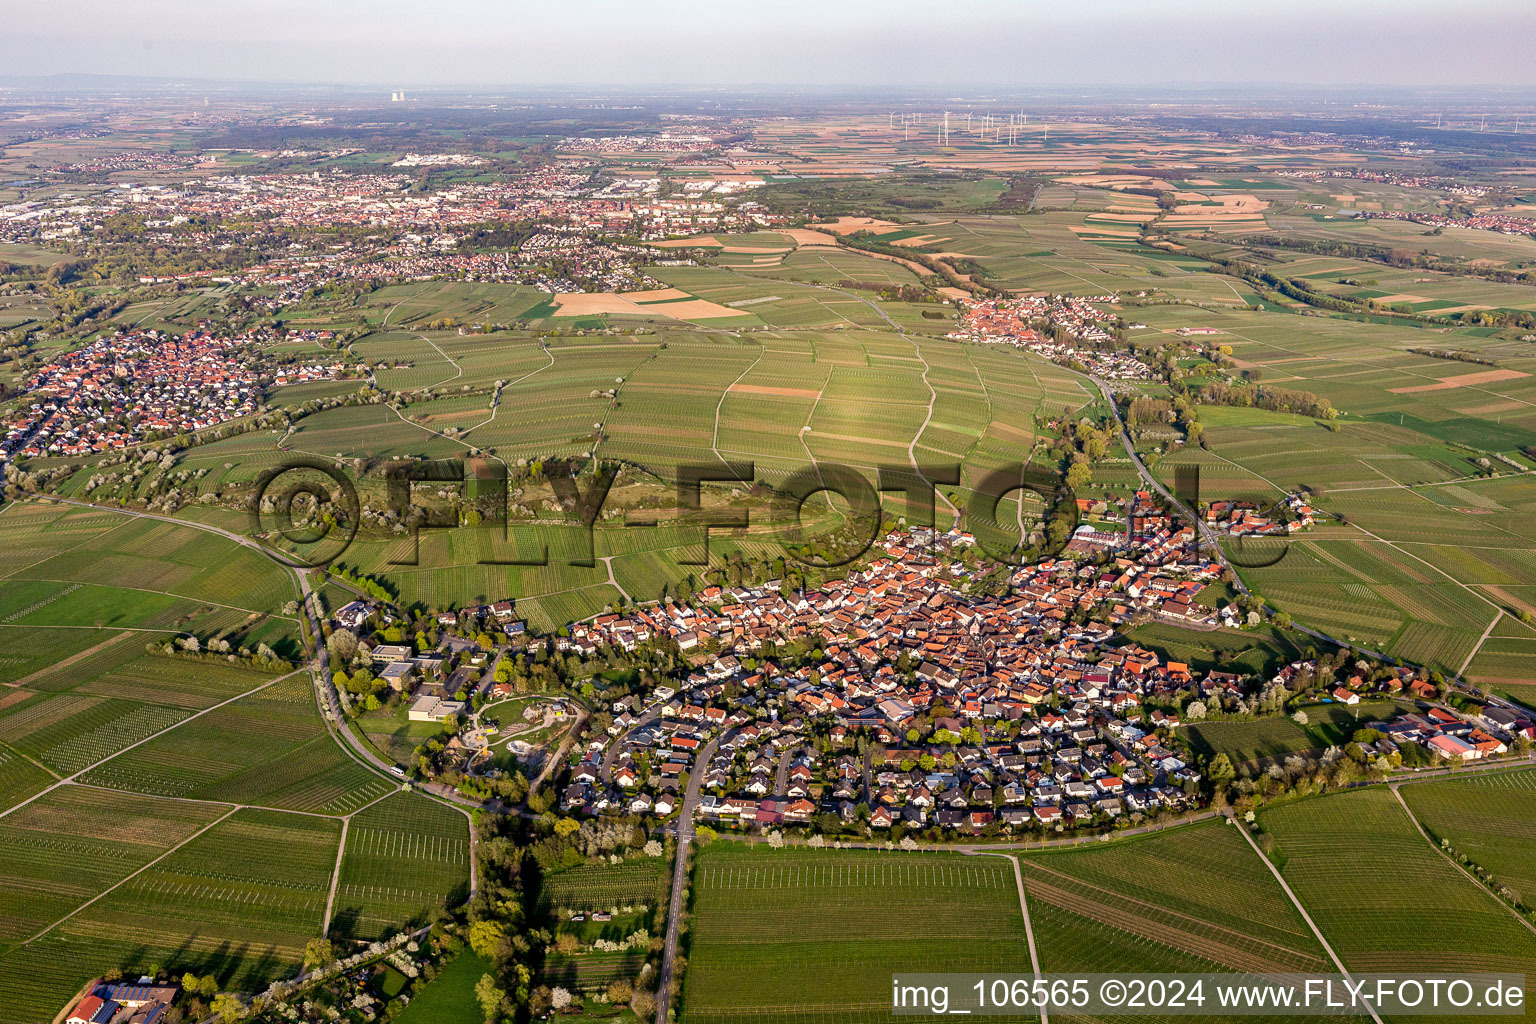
<point x="1501" y="222"/>
<point x="132" y="386"/>
<point x="1075" y="332"/>
<point x="191" y="215"/>
<point x="920" y="702"/>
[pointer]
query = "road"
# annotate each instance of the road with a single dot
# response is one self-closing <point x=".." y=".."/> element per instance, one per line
<point x="781" y="775"/>
<point x="680" y="876"/>
<point x="611" y="755"/>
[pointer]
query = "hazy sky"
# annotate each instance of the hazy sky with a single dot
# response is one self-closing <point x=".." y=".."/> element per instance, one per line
<point x="782" y="42"/>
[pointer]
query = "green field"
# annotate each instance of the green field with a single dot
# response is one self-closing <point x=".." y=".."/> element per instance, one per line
<point x="1385" y="900"/>
<point x="1195" y="899"/>
<point x="448" y="998"/>
<point x="1248" y="740"/>
<point x="268" y="748"/>
<point x="637" y="881"/>
<point x="1487" y="818"/>
<point x="405" y="856"/>
<point x="804" y="935"/>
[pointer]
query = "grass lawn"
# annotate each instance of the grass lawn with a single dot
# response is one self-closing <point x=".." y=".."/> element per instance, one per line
<point x="1249" y="740"/>
<point x="450" y="997"/>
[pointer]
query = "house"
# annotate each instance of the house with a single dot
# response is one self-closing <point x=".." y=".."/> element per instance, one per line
<point x="1344" y="696"/>
<point x="398" y="675"/>
<point x="428" y="708"/>
<point x="1454" y="748"/>
<point x="353" y="615"/>
<point x="386" y="653"/>
<point x="93" y="1009"/>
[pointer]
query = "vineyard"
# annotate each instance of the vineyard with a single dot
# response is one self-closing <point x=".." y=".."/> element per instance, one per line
<point x="1490" y="819"/>
<point x="1189" y="899"/>
<point x="57" y="853"/>
<point x="638" y="880"/>
<point x="405" y="856"/>
<point x="269" y="747"/>
<point x="805" y="935"/>
<point x="1383" y="897"/>
<point x="258" y="879"/>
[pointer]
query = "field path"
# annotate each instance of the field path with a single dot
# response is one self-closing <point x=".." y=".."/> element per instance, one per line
<point x="1316" y="931"/>
<point x="330" y="895"/>
<point x="1029" y="931"/>
<point x="607" y="560"/>
<point x="496" y="396"/>
<point x="714" y="440"/>
<point x="1497" y="615"/>
<point x="1452" y="860"/>
<point x="933" y="397"/>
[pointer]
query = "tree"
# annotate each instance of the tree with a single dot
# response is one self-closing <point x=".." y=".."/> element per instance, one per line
<point x="566" y="826"/>
<point x="228" y="1007"/>
<point x="1220" y="772"/>
<point x="1300" y="718"/>
<point x="490" y="996"/>
<point x="643" y="1003"/>
<point x="485" y="937"/>
<point x="343" y="644"/>
<point x="318" y="953"/>
<point x="559" y="998"/>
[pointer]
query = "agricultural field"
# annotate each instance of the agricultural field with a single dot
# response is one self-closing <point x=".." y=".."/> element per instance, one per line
<point x="1418" y="557"/>
<point x="1249" y="741"/>
<point x="1487" y="818"/>
<point x="1191" y="899"/>
<point x="1382" y="896"/>
<point x="634" y="894"/>
<point x="268" y="748"/>
<point x="807" y="935"/>
<point x="779" y="399"/>
<point x="252" y="889"/>
<point x="58" y="853"/>
<point x="405" y="856"/>
<point x="586" y="887"/>
<point x="86" y="546"/>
